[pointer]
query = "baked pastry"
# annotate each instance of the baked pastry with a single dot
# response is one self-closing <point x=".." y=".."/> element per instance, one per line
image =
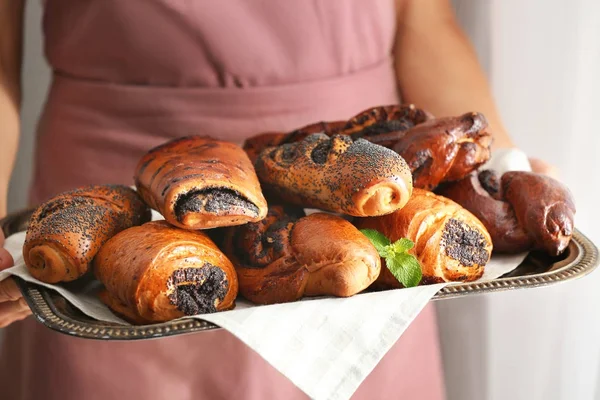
<point x="254" y="145"/>
<point x="370" y="124"/>
<point x="66" y="232"/>
<point x="287" y="256"/>
<point x="157" y="272"/>
<point x="521" y="210"/>
<point x="445" y="149"/>
<point x="337" y="174"/>
<point x="199" y="183"/>
<point x="451" y="244"/>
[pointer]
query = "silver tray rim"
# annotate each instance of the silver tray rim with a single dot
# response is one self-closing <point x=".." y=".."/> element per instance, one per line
<point x="45" y="311"/>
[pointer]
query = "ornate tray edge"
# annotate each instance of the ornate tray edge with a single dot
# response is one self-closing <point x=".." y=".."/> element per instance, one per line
<point x="46" y="312"/>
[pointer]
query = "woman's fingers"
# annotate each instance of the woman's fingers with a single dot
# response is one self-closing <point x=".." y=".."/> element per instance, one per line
<point x="6" y="260"/>
<point x="11" y="311"/>
<point x="9" y="291"/>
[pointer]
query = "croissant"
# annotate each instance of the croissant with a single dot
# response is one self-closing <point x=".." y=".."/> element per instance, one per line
<point x="337" y="174"/>
<point x="200" y="183"/>
<point x="367" y="124"/>
<point x="521" y="210"/>
<point x="66" y="232"/>
<point x="444" y="149"/>
<point x="157" y="272"/>
<point x="451" y="244"/>
<point x="288" y="255"/>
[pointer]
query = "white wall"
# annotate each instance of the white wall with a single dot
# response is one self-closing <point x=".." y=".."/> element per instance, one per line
<point x="541" y="343"/>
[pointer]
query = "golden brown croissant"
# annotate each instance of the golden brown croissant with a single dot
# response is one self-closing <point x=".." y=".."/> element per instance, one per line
<point x="287" y="256"/>
<point x="200" y="183"/>
<point x="451" y="244"/>
<point x="66" y="232"/>
<point x="521" y="210"/>
<point x="337" y="174"/>
<point x="157" y="272"/>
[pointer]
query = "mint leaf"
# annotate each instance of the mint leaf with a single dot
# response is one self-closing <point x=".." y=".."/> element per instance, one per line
<point x="406" y="268"/>
<point x="379" y="241"/>
<point x="403" y="245"/>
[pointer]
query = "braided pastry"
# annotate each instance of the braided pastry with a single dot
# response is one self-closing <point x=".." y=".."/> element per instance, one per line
<point x="521" y="210"/>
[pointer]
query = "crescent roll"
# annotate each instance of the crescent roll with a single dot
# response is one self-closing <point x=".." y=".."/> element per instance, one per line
<point x="157" y="272"/>
<point x="451" y="244"/>
<point x="66" y="232"/>
<point x="201" y="183"/>
<point x="288" y="256"/>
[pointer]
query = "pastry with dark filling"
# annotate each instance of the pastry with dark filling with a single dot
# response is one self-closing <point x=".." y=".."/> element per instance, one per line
<point x="288" y="256"/>
<point x="451" y="244"/>
<point x="521" y="210"/>
<point x="200" y="183"/>
<point x="338" y="174"/>
<point x="67" y="231"/>
<point x="157" y="272"/>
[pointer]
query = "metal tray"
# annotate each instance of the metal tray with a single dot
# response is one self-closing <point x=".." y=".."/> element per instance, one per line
<point x="52" y="310"/>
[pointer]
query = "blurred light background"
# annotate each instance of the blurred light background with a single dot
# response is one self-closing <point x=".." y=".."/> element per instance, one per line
<point x="543" y="61"/>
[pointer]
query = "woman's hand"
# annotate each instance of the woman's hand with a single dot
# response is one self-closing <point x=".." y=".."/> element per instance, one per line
<point x="12" y="305"/>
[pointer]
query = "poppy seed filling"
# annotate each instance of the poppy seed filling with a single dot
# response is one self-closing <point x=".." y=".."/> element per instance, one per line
<point x="465" y="244"/>
<point x="215" y="201"/>
<point x="196" y="290"/>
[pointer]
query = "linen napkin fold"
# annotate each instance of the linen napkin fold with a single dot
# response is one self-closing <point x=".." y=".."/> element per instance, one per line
<point x="325" y="346"/>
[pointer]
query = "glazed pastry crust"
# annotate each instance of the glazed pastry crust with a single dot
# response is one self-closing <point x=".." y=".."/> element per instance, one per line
<point x="287" y="256"/>
<point x="451" y="244"/>
<point x="157" y="272"/>
<point x="336" y="174"/>
<point x="200" y="183"/>
<point x="67" y="231"/>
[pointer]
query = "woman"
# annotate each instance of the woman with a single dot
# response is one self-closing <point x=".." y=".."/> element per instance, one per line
<point x="129" y="75"/>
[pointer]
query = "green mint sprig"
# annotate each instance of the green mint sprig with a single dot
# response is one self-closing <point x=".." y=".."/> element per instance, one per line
<point x="405" y="267"/>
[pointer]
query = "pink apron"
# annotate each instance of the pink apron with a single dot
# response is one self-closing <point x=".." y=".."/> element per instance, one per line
<point x="130" y="74"/>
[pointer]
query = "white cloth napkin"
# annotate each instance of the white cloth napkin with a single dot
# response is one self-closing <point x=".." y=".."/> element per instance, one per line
<point x="325" y="346"/>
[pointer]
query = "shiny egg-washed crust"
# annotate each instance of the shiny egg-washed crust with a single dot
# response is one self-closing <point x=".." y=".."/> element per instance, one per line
<point x="451" y="244"/>
<point x="157" y="272"/>
<point x="368" y="124"/>
<point x="200" y="183"/>
<point x="521" y="210"/>
<point x="339" y="174"/>
<point x="445" y="149"/>
<point x="67" y="231"/>
<point x="288" y="256"/>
